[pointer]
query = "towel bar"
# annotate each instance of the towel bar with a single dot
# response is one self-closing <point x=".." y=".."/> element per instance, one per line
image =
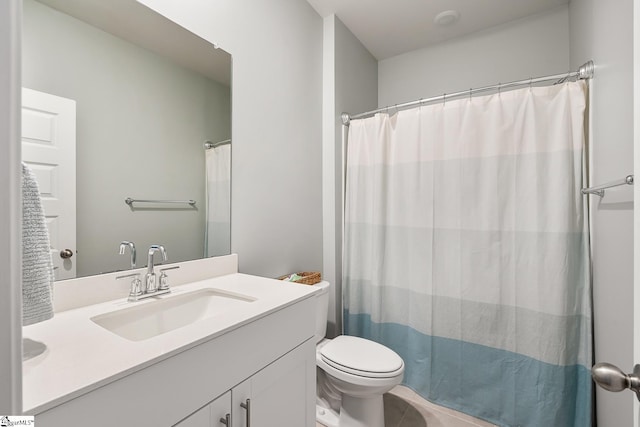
<point x="599" y="190"/>
<point x="131" y="201"/>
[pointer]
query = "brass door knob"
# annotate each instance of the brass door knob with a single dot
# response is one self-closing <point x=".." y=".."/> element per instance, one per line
<point x="66" y="253"/>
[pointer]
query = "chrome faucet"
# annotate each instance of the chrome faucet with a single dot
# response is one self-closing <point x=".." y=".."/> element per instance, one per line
<point x="150" y="286"/>
<point x="132" y="247"/>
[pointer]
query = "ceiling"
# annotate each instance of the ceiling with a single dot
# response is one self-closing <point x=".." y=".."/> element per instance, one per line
<point x="391" y="27"/>
<point x="143" y="26"/>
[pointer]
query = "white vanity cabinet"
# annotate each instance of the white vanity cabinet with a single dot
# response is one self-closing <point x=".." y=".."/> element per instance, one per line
<point x="274" y="396"/>
<point x="269" y="360"/>
<point x="269" y="398"/>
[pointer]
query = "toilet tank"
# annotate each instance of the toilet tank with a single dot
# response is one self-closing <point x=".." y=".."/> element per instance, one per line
<point x="322" y="309"/>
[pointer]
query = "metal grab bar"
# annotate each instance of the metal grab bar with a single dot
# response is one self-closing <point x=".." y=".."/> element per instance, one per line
<point x="129" y="201"/>
<point x="599" y="190"/>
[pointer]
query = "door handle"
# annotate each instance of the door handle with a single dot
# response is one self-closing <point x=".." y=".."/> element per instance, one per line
<point x="247" y="407"/>
<point x="611" y="378"/>
<point x="226" y="420"/>
<point x="66" y="253"/>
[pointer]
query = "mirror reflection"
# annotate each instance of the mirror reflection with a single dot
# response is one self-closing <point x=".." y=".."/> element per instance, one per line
<point x="120" y="102"/>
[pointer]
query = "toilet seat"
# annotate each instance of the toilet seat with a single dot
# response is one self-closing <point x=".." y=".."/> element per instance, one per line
<point x="361" y="357"/>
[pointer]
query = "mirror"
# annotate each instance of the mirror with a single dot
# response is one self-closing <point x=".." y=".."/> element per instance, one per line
<point x="148" y="94"/>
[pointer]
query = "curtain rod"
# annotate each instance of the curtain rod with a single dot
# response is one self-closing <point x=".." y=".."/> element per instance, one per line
<point x="584" y="72"/>
<point x="208" y="144"/>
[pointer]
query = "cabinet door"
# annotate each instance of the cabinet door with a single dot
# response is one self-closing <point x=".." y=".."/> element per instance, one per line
<point x="282" y="394"/>
<point x="210" y="415"/>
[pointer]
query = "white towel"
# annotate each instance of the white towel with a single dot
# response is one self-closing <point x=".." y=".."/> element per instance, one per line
<point x="37" y="267"/>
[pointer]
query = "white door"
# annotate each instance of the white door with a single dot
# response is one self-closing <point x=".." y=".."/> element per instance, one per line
<point x="281" y="394"/>
<point x="636" y="197"/>
<point x="49" y="150"/>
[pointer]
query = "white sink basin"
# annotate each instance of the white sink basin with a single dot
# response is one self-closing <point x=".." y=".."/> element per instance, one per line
<point x="148" y="320"/>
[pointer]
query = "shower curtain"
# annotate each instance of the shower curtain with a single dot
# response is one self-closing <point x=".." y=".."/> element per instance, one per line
<point x="466" y="251"/>
<point x="218" y="225"/>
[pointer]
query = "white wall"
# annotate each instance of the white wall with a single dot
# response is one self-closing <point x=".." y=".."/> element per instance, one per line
<point x="529" y="47"/>
<point x="277" y="112"/>
<point x="10" y="210"/>
<point x="141" y="121"/>
<point x="603" y="31"/>
<point x="350" y="85"/>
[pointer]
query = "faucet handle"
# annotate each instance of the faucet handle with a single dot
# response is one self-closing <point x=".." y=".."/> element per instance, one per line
<point x="164" y="278"/>
<point x="136" y="285"/>
<point x="150" y="283"/>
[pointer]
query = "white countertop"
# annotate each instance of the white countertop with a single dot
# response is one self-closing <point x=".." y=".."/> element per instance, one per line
<point x="82" y="356"/>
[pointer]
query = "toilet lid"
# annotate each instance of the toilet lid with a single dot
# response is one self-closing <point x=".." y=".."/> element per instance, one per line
<point x="362" y="357"/>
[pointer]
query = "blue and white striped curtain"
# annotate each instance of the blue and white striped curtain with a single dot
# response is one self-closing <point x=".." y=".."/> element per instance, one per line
<point x="466" y="251"/>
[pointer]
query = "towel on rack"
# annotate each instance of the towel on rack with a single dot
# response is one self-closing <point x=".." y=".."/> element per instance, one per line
<point x="37" y="266"/>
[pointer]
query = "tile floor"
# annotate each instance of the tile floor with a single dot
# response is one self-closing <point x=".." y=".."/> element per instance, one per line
<point x="404" y="408"/>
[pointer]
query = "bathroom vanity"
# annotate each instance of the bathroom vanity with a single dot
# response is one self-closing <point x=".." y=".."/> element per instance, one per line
<point x="251" y="359"/>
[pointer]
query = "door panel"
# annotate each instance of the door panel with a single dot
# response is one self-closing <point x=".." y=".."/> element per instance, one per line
<point x="282" y="394"/>
<point x="49" y="150"/>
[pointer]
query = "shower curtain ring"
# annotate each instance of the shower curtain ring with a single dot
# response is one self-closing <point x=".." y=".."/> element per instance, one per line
<point x="470" y="89"/>
<point x="444" y="98"/>
<point x="499" y="88"/>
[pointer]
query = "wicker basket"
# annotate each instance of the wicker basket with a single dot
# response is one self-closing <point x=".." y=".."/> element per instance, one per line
<point x="308" y="277"/>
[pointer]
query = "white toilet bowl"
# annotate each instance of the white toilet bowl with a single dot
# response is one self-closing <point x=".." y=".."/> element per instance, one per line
<point x="360" y="370"/>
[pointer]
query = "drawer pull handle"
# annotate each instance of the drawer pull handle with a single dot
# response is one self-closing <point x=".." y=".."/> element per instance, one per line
<point x="226" y="420"/>
<point x="247" y="406"/>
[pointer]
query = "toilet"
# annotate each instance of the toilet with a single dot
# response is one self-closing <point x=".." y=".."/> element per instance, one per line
<point x="353" y="374"/>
